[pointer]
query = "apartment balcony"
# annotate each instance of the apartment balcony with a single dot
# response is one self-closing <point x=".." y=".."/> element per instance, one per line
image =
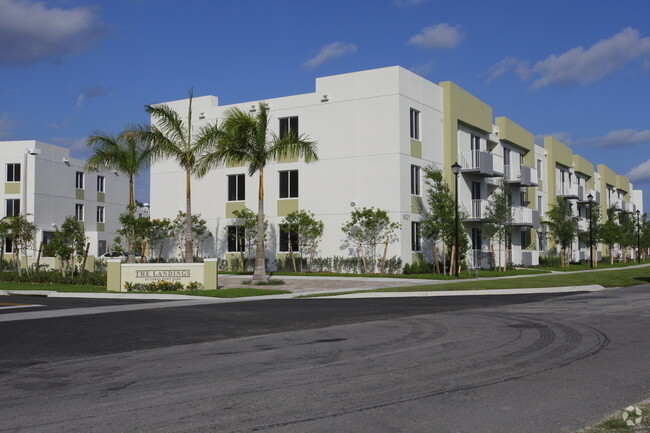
<point x="567" y="190"/>
<point x="525" y="216"/>
<point x="620" y="205"/>
<point x="584" y="192"/>
<point x="583" y="225"/>
<point x="631" y="208"/>
<point x="520" y="175"/>
<point x="481" y="163"/>
<point x="476" y="211"/>
<point x="477" y="259"/>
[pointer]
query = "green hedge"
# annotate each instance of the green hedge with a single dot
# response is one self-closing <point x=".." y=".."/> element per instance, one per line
<point x="55" y="277"/>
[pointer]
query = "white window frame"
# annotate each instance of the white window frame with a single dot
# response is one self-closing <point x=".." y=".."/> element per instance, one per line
<point x="79" y="180"/>
<point x="416" y="180"/>
<point x="79" y="211"/>
<point x="13" y="172"/>
<point x="288" y="192"/>
<point x="13" y="200"/>
<point x="101" y="183"/>
<point x="414" y="123"/>
<point x="101" y="214"/>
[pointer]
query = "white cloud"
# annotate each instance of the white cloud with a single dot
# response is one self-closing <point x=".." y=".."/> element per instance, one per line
<point x="580" y="65"/>
<point x="30" y="31"/>
<point x="640" y="173"/>
<point x="90" y="93"/>
<point x="424" y="69"/>
<point x="329" y="52"/>
<point x="438" y="37"/>
<point x="622" y="138"/>
<point x="77" y="146"/>
<point x="6" y="126"/>
<point x="564" y="137"/>
<point x="408" y="2"/>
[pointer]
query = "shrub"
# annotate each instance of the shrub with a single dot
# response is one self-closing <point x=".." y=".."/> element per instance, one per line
<point x="418" y="268"/>
<point x="55" y="277"/>
<point x="161" y="286"/>
<point x="550" y="261"/>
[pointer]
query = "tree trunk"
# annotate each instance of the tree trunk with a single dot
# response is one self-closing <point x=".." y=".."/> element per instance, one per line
<point x="83" y="265"/>
<point x="293" y="259"/>
<point x="188" y="218"/>
<point x="38" y="257"/>
<point x="311" y="255"/>
<point x="611" y="255"/>
<point x="383" y="260"/>
<point x="19" y="268"/>
<point x="562" y="257"/>
<point x="131" y="196"/>
<point x="494" y="258"/>
<point x="363" y="259"/>
<point x="162" y="243"/>
<point x="435" y="257"/>
<point x="260" y="266"/>
<point x="452" y="261"/>
<point x="444" y="259"/>
<point x="505" y="260"/>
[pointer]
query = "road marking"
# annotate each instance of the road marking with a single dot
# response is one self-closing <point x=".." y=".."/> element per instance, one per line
<point x="7" y="305"/>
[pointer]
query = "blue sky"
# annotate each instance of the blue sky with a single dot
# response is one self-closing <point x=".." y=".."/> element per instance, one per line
<point x="578" y="70"/>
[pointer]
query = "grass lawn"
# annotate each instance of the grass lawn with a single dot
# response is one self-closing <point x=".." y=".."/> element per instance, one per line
<point x="616" y="424"/>
<point x="615" y="278"/>
<point x="223" y="293"/>
<point x="13" y="285"/>
<point x="601" y="265"/>
<point x="464" y="274"/>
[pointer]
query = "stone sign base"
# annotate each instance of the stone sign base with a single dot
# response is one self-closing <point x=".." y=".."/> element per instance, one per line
<point x="119" y="274"/>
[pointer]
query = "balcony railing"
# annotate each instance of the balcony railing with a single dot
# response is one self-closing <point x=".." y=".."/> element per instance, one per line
<point x="620" y="204"/>
<point x="482" y="163"/>
<point x="520" y="174"/>
<point x="569" y="190"/>
<point x="476" y="210"/>
<point x="583" y="225"/>
<point x="525" y="216"/>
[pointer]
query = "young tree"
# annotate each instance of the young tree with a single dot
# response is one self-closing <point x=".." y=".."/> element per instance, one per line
<point x="198" y="230"/>
<point x="562" y="226"/>
<point x="499" y="216"/>
<point x="127" y="153"/>
<point x="174" y="137"/>
<point x="160" y="231"/>
<point x="68" y="244"/>
<point x="247" y="220"/>
<point x="594" y="223"/>
<point x="610" y="231"/>
<point x="645" y="235"/>
<point x="369" y="228"/>
<point x="135" y="232"/>
<point x="245" y="139"/>
<point x="309" y="231"/>
<point x="627" y="235"/>
<point x="22" y="233"/>
<point x="439" y="220"/>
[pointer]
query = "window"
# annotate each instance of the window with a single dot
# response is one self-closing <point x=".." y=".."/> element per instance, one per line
<point x="415" y="124"/>
<point x="288" y="125"/>
<point x="100" y="214"/>
<point x="236" y="239"/>
<point x="415" y="236"/>
<point x="9" y="245"/>
<point x="79" y="212"/>
<point x="100" y="183"/>
<point x="289" y="184"/>
<point x="13" y="172"/>
<point x="236" y="187"/>
<point x="476" y="238"/>
<point x="415" y="180"/>
<point x="539" y="169"/>
<point x="12" y="207"/>
<point x="79" y="180"/>
<point x="288" y="238"/>
<point x="101" y="248"/>
<point x="539" y="204"/>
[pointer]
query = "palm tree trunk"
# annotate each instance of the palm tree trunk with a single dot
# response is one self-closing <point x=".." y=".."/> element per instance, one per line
<point x="259" y="275"/>
<point x="188" y="219"/>
<point x="131" y="196"/>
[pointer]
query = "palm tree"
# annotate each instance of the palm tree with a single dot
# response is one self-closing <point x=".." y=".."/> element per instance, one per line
<point x="244" y="139"/>
<point x="173" y="137"/>
<point x="126" y="153"/>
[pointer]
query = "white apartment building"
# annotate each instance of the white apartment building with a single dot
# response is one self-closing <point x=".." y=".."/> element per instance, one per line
<point x="376" y="130"/>
<point x="45" y="183"/>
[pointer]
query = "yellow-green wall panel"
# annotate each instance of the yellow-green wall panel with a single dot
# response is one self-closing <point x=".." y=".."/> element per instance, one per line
<point x="517" y="136"/>
<point x="286" y="206"/>
<point x="12" y="188"/>
<point x="79" y="194"/>
<point x="416" y="204"/>
<point x="623" y="183"/>
<point x="101" y="227"/>
<point x="289" y="158"/>
<point x="101" y="196"/>
<point x="416" y="148"/>
<point x="231" y="207"/>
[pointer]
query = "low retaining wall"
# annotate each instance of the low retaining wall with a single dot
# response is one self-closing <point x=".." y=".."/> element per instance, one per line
<point x="121" y="273"/>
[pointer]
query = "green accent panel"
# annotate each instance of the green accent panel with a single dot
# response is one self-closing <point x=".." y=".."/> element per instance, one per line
<point x="286" y="206"/>
<point x="101" y="196"/>
<point x="532" y="197"/>
<point x="416" y="204"/>
<point x="416" y="148"/>
<point x="114" y="271"/>
<point x="210" y="274"/>
<point x="581" y="165"/>
<point x="237" y="256"/>
<point x="12" y="188"/>
<point x="540" y="184"/>
<point x="558" y="152"/>
<point x="623" y="183"/>
<point x="101" y="227"/>
<point x="460" y="106"/>
<point x="533" y="239"/>
<point x="607" y="177"/>
<point x="79" y="194"/>
<point x="517" y="136"/>
<point x="233" y="206"/>
<point x="416" y="258"/>
<point x="229" y="165"/>
<point x="293" y="158"/>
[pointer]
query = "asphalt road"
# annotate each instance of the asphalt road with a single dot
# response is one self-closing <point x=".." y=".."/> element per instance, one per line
<point x="534" y="363"/>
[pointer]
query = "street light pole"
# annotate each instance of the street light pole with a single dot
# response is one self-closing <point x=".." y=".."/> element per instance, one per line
<point x="638" y="236"/>
<point x="591" y="238"/>
<point x="455" y="168"/>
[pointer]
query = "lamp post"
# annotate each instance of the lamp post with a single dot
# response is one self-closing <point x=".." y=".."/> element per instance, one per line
<point x="455" y="168"/>
<point x="591" y="239"/>
<point x="638" y="236"/>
